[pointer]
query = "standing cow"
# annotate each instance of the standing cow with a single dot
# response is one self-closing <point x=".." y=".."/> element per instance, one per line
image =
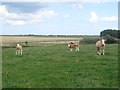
<point x="18" y="49"/>
<point x="72" y="46"/>
<point x="100" y="47"/>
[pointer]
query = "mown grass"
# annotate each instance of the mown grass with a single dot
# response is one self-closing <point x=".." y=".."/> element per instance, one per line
<point x="57" y="67"/>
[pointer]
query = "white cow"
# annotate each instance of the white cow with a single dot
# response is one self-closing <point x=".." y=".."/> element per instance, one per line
<point x="72" y="46"/>
<point x="100" y="47"/>
<point x="18" y="49"/>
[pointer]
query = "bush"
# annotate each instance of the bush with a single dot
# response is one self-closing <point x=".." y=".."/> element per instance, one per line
<point x="110" y="39"/>
<point x="113" y="33"/>
<point x="90" y="40"/>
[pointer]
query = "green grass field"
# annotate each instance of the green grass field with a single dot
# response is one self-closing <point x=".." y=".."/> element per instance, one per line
<point x="56" y="66"/>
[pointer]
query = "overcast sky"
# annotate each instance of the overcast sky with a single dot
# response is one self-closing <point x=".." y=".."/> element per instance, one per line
<point x="84" y="17"/>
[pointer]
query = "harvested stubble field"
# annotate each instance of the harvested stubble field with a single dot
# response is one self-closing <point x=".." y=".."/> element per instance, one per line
<point x="36" y="38"/>
<point x="55" y="66"/>
<point x="8" y="41"/>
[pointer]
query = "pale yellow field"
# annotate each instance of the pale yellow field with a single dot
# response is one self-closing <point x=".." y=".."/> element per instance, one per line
<point x="6" y="40"/>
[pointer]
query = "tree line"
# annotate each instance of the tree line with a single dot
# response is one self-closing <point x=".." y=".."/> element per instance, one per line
<point x="113" y="33"/>
<point x="112" y="36"/>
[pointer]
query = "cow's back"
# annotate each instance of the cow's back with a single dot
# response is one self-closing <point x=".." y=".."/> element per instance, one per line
<point x="73" y="45"/>
<point x="98" y="44"/>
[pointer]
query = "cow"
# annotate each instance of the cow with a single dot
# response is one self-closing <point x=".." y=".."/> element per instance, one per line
<point x="100" y="44"/>
<point x="18" y="49"/>
<point x="72" y="46"/>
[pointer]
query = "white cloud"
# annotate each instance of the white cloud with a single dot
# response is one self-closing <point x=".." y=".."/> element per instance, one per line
<point x="110" y="19"/>
<point x="51" y="13"/>
<point x="95" y="18"/>
<point x="78" y="5"/>
<point x="16" y="22"/>
<point x="66" y="16"/>
<point x="3" y="11"/>
<point x="24" y="18"/>
<point x="95" y="1"/>
<point x="84" y="1"/>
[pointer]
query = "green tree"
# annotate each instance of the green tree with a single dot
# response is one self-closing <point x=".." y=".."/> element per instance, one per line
<point x="113" y="33"/>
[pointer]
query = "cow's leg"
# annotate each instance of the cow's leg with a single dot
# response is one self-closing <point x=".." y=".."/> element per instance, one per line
<point x="20" y="52"/>
<point x="99" y="51"/>
<point x="103" y="51"/>
<point x="71" y="49"/>
<point x="16" y="52"/>
<point x="77" y="49"/>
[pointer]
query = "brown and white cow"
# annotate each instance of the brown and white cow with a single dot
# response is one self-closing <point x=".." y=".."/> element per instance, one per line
<point x="72" y="46"/>
<point x="100" y="47"/>
<point x="18" y="49"/>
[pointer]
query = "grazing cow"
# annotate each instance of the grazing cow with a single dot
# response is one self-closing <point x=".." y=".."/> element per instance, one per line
<point x="18" y="49"/>
<point x="72" y="46"/>
<point x="100" y="47"/>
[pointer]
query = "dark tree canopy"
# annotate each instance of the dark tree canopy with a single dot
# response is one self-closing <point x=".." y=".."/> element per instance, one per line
<point x="113" y="33"/>
<point x="112" y="36"/>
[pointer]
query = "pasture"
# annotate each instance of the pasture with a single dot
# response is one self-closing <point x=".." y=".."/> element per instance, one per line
<point x="55" y="66"/>
<point x="48" y="63"/>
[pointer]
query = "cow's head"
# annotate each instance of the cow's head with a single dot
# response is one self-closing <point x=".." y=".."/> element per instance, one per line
<point x="69" y="45"/>
<point x="103" y="42"/>
<point x="17" y="44"/>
